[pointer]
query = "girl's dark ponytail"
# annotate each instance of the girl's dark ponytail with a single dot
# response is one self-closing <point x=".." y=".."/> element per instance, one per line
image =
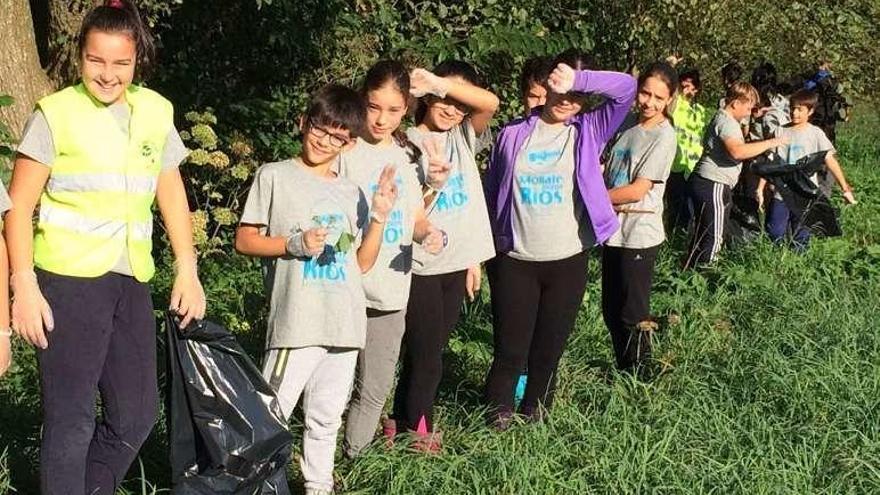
<point x="122" y="16"/>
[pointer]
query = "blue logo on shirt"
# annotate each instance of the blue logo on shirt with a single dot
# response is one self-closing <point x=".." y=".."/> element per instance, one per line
<point x="454" y="196"/>
<point x="330" y="264"/>
<point x="318" y="269"/>
<point x="542" y="157"/>
<point x="540" y="190"/>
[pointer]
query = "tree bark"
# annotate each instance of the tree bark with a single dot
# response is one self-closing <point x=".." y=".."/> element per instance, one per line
<point x="20" y="73"/>
<point x="65" y="19"/>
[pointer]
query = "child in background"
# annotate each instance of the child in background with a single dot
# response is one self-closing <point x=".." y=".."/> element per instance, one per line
<point x="531" y="83"/>
<point x="689" y="119"/>
<point x="95" y="156"/>
<point x="548" y="206"/>
<point x="803" y="139"/>
<point x="731" y="72"/>
<point x="317" y="235"/>
<point x="453" y="115"/>
<point x="386" y="91"/>
<point x="635" y="175"/>
<point x="717" y="172"/>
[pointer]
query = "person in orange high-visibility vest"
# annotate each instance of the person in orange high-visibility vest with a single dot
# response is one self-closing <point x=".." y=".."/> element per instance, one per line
<point x="95" y="156"/>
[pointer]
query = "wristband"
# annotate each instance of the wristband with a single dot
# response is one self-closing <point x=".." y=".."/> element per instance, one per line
<point x="375" y="217"/>
<point x="295" y="244"/>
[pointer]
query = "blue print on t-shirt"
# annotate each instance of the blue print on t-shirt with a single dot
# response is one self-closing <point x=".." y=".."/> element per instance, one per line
<point x="329" y="266"/>
<point x="454" y="196"/>
<point x="540" y="190"/>
<point x="543" y="157"/>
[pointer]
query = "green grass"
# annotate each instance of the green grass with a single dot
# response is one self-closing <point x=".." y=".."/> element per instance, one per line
<point x="771" y="385"/>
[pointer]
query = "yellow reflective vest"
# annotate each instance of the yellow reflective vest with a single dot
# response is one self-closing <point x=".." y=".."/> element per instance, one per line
<point x="97" y="203"/>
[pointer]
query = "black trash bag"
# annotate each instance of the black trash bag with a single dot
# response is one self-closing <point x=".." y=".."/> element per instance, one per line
<point x="227" y="433"/>
<point x="744" y="224"/>
<point x="800" y="194"/>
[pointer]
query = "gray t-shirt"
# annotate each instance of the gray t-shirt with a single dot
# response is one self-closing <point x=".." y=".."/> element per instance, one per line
<point x="716" y="164"/>
<point x="648" y="154"/>
<point x="386" y="285"/>
<point x="802" y="142"/>
<point x="460" y="208"/>
<point x="5" y="202"/>
<point x="549" y="222"/>
<point x="37" y="143"/>
<point x="313" y="301"/>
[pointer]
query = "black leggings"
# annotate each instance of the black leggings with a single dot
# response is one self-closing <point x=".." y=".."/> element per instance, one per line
<point x="627" y="276"/>
<point x="534" y="306"/>
<point x="434" y="306"/>
<point x="712" y="202"/>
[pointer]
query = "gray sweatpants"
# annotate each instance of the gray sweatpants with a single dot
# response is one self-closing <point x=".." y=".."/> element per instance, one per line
<point x="376" y="364"/>
<point x="323" y="376"/>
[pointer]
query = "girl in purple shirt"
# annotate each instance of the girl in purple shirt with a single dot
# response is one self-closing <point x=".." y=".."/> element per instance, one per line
<point x="547" y="206"/>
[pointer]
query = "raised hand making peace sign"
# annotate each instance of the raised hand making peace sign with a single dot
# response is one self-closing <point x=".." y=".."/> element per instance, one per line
<point x="438" y="167"/>
<point x="385" y="195"/>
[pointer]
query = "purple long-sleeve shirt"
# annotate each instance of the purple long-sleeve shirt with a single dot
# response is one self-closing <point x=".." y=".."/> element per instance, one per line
<point x="594" y="129"/>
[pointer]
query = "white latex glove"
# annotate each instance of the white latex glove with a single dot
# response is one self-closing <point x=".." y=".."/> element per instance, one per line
<point x="434" y="241"/>
<point x="438" y="167"/>
<point x="423" y="82"/>
<point x="561" y="80"/>
<point x="385" y="195"/>
<point x="31" y="313"/>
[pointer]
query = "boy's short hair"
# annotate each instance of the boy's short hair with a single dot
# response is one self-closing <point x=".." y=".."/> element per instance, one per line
<point x="804" y="98"/>
<point x="335" y="105"/>
<point x="694" y="76"/>
<point x="741" y="91"/>
<point x="536" y="70"/>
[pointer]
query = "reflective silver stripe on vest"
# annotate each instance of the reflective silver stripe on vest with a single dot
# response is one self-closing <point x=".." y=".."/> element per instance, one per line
<point x="59" y="217"/>
<point x="101" y="183"/>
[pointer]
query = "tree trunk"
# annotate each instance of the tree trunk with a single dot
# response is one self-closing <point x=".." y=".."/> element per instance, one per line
<point x="65" y="19"/>
<point x="20" y="73"/>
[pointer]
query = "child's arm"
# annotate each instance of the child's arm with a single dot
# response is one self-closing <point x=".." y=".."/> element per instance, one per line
<point x="759" y="193"/>
<point x="483" y="103"/>
<point x="835" y="169"/>
<point x="250" y="241"/>
<point x="617" y="87"/>
<point x="630" y="193"/>
<point x="740" y="150"/>
<point x="431" y="238"/>
<point x="187" y="295"/>
<point x="30" y="311"/>
<point x="436" y="172"/>
<point x="5" y="331"/>
<point x="383" y="202"/>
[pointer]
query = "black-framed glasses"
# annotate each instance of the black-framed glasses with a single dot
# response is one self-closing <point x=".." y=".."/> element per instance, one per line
<point x="319" y="132"/>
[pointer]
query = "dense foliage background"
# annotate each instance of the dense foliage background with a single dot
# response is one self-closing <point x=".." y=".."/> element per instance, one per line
<point x="772" y="375"/>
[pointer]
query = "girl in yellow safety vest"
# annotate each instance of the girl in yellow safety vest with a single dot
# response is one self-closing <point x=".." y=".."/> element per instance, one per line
<point x="95" y="156"/>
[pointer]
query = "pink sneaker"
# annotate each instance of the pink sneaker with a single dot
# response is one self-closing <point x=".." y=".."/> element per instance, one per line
<point x="424" y="441"/>
<point x="389" y="431"/>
